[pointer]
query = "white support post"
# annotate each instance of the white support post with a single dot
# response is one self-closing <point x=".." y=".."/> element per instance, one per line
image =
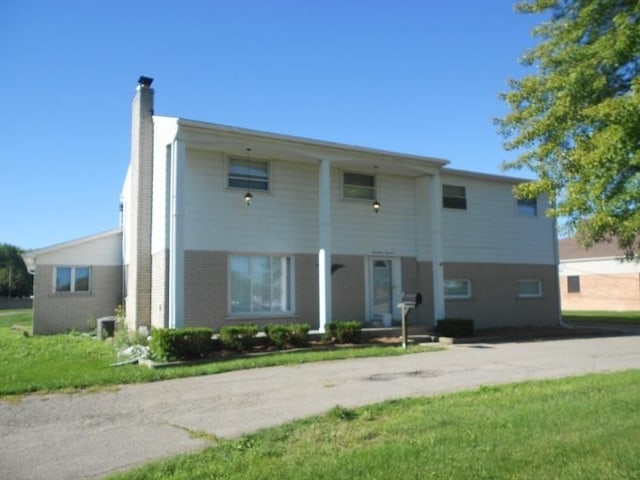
<point x="176" y="236"/>
<point x="436" y="248"/>
<point x="324" y="244"/>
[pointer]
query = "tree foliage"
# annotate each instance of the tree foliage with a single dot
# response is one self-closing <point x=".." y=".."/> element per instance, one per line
<point x="15" y="281"/>
<point x="575" y="122"/>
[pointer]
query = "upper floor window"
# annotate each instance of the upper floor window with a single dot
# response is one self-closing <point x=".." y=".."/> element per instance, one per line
<point x="454" y="196"/>
<point x="527" y="207"/>
<point x="73" y="279"/>
<point x="248" y="174"/>
<point x="358" y="185"/>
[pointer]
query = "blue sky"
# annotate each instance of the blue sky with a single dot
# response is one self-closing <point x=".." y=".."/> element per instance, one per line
<point x="413" y="76"/>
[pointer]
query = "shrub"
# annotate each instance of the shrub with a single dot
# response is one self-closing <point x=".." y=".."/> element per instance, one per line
<point x="299" y="334"/>
<point x="344" y="332"/>
<point x="181" y="344"/>
<point x="295" y="335"/>
<point x="455" y="327"/>
<point x="238" y="337"/>
<point x="278" y="335"/>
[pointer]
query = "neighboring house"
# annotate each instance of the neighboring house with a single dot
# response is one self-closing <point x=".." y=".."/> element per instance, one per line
<point x="597" y="278"/>
<point x="76" y="281"/>
<point x="223" y="225"/>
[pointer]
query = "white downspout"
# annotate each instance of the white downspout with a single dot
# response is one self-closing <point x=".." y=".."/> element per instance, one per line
<point x="176" y="236"/>
<point x="324" y="244"/>
<point x="436" y="248"/>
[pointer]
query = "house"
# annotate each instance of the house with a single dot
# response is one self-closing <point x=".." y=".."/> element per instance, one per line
<point x="597" y="278"/>
<point x="223" y="225"/>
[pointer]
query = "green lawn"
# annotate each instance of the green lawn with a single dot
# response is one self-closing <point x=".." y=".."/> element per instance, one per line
<point x="602" y="317"/>
<point x="571" y="429"/>
<point x="71" y="362"/>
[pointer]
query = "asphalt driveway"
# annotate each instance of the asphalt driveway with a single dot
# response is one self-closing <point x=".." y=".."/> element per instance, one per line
<point x="89" y="435"/>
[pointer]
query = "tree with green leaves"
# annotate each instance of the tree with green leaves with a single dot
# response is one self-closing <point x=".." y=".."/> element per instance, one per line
<point x="575" y="121"/>
<point x="15" y="281"/>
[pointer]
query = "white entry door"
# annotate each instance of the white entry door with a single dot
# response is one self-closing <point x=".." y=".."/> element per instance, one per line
<point x="383" y="278"/>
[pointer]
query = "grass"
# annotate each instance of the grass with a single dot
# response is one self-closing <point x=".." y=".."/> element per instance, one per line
<point x="72" y="362"/>
<point x="579" y="428"/>
<point x="602" y="317"/>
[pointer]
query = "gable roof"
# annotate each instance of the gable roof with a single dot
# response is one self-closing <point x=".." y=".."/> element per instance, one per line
<point x="30" y="257"/>
<point x="570" y="249"/>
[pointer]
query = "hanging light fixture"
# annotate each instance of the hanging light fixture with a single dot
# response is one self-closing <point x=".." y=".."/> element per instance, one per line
<point x="376" y="203"/>
<point x="248" y="198"/>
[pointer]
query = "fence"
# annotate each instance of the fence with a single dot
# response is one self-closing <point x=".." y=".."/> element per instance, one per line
<point x="12" y="303"/>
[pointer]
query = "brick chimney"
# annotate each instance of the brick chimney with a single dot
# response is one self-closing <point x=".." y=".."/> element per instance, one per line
<point x="138" y="227"/>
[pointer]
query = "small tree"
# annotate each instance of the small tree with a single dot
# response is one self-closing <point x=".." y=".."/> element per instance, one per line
<point x="15" y="280"/>
<point x="576" y="120"/>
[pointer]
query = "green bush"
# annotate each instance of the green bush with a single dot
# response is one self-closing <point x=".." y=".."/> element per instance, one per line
<point x="299" y="334"/>
<point x="455" y="327"/>
<point x="344" y="332"/>
<point x="238" y="337"/>
<point x="181" y="344"/>
<point x="295" y="335"/>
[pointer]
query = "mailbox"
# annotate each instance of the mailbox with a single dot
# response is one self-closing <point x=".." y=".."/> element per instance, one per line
<point x="411" y="300"/>
<point x="408" y="302"/>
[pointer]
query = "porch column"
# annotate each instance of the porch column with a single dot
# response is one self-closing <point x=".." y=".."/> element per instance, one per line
<point x="176" y="235"/>
<point x="436" y="248"/>
<point x="324" y="244"/>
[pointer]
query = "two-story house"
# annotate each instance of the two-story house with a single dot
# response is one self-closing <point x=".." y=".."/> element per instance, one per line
<point x="222" y="225"/>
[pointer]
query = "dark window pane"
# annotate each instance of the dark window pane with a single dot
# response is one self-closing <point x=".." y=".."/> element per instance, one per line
<point x="454" y="197"/>
<point x="573" y="284"/>
<point x="527" y="207"/>
<point x="63" y="279"/>
<point x="82" y="279"/>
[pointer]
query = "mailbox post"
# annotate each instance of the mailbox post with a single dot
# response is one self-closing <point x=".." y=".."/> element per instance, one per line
<point x="408" y="303"/>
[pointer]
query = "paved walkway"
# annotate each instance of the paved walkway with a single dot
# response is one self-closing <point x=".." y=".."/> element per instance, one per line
<point x="90" y="435"/>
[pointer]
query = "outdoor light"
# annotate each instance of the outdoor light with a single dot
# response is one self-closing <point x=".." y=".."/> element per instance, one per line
<point x="376" y="203"/>
<point x="248" y="198"/>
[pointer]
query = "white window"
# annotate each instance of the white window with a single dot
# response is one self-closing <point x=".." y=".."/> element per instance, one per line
<point x="454" y="196"/>
<point x="260" y="284"/>
<point x="248" y="174"/>
<point x="359" y="186"/>
<point x="457" y="289"/>
<point x="527" y="207"/>
<point x="530" y="288"/>
<point x="73" y="279"/>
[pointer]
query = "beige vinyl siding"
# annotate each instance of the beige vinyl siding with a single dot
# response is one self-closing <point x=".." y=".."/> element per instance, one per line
<point x="490" y="230"/>
<point x="280" y="221"/>
<point x="357" y="229"/>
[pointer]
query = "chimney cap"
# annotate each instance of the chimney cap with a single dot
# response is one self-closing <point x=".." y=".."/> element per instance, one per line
<point x="145" y="81"/>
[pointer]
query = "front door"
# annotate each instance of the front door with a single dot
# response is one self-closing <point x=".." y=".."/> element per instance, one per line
<point x="381" y="293"/>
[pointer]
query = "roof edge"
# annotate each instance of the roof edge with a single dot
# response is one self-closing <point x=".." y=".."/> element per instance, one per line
<point x="71" y="243"/>
<point x="183" y="122"/>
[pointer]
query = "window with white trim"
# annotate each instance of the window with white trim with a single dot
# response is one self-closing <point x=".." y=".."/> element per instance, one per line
<point x="529" y="288"/>
<point x="359" y="186"/>
<point x="527" y="207"/>
<point x="248" y="174"/>
<point x="454" y="196"/>
<point x="73" y="279"/>
<point x="260" y="284"/>
<point x="457" y="289"/>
